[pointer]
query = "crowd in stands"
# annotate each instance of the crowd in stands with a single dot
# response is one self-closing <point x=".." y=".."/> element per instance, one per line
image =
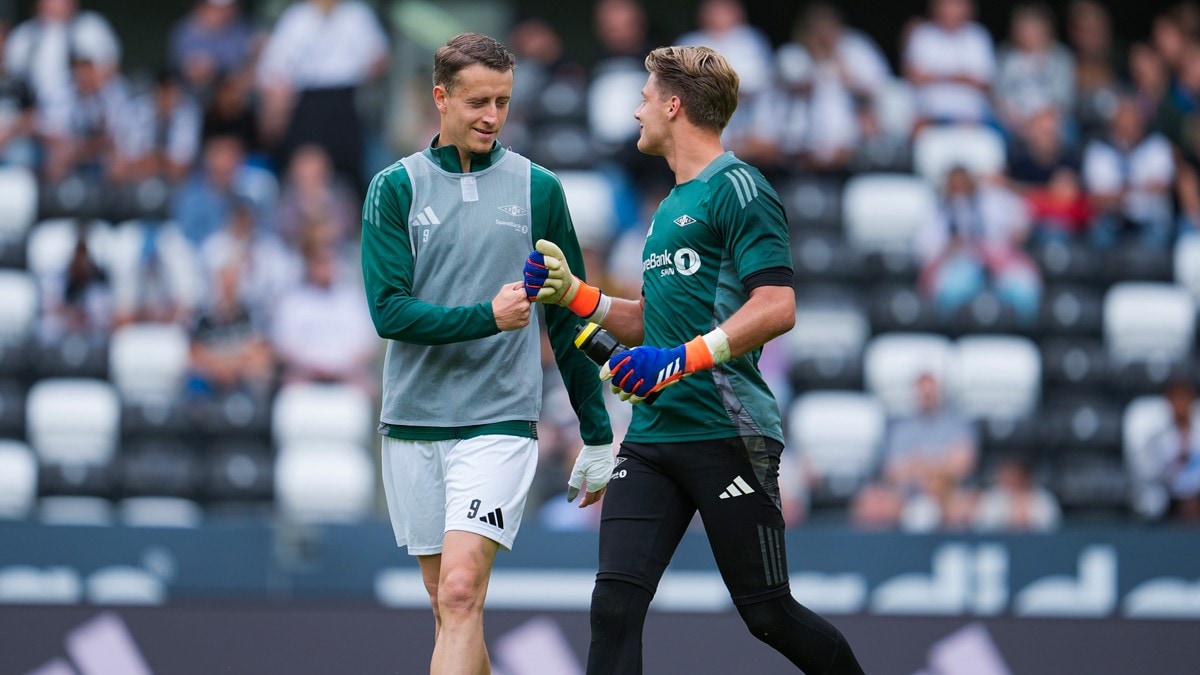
<point x="221" y="196"/>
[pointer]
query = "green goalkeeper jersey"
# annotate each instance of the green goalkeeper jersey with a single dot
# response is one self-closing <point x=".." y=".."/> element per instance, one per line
<point x="707" y="237"/>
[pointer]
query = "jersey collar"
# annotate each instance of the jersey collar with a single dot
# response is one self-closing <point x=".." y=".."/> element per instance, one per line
<point x="446" y="156"/>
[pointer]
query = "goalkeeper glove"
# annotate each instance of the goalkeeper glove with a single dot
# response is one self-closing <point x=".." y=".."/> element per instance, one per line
<point x="593" y="467"/>
<point x="642" y="371"/>
<point x="548" y="280"/>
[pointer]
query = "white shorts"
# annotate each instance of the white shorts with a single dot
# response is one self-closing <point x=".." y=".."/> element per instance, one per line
<point x="474" y="485"/>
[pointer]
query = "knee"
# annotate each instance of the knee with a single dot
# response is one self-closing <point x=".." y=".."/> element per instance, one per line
<point x="763" y="619"/>
<point x="608" y="604"/>
<point x="459" y="593"/>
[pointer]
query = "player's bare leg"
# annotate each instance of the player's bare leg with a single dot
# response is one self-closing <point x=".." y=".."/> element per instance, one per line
<point x="466" y="566"/>
<point x="431" y="571"/>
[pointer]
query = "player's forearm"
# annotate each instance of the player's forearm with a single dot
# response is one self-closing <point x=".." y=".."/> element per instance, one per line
<point x="769" y="313"/>
<point x="624" y="321"/>
<point x="407" y="319"/>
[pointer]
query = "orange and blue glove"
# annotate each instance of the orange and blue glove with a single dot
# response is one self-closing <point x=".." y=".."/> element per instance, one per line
<point x="548" y="280"/>
<point x="643" y="371"/>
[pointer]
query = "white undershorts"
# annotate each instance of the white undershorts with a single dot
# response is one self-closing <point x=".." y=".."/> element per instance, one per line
<point x="474" y="485"/>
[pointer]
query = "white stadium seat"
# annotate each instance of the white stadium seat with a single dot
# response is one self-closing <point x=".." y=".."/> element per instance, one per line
<point x="996" y="376"/>
<point x="1187" y="265"/>
<point x="18" y="305"/>
<point x="838" y="435"/>
<point x="148" y="361"/>
<point x="593" y="206"/>
<point x="884" y="212"/>
<point x="827" y="331"/>
<point x="1148" y="320"/>
<point x="338" y="413"/>
<point x="18" y="480"/>
<point x="73" y="421"/>
<point x="19" y="195"/>
<point x="937" y="149"/>
<point x="893" y="362"/>
<point x="324" y="482"/>
<point x="52" y="242"/>
<point x="896" y="108"/>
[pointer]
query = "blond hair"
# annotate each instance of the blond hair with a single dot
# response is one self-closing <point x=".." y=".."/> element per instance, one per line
<point x="707" y="86"/>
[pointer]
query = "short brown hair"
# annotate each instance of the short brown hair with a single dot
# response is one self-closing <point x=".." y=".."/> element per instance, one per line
<point x="467" y="49"/>
<point x="705" y="83"/>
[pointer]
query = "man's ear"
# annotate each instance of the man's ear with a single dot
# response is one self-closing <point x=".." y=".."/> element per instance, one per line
<point x="674" y="106"/>
<point x="439" y="98"/>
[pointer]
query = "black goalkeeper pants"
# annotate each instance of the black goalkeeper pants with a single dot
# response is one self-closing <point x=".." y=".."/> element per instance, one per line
<point x="653" y="495"/>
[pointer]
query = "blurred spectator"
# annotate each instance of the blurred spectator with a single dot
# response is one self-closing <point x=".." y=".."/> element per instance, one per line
<point x="1169" y="36"/>
<point x="1180" y="108"/>
<point x="1129" y="175"/>
<point x="265" y="267"/>
<point x="928" y="458"/>
<point x="975" y="244"/>
<point x="80" y="123"/>
<point x="1098" y="63"/>
<point x="310" y="100"/>
<point x="1046" y="173"/>
<point x="723" y="27"/>
<point x="77" y="300"/>
<point x="231" y="112"/>
<point x="17" y="114"/>
<point x="1035" y="70"/>
<point x="41" y="49"/>
<point x="229" y="351"/>
<point x="155" y="275"/>
<point x="830" y="76"/>
<point x="549" y="89"/>
<point x="161" y="135"/>
<point x="1016" y="502"/>
<point x="312" y="193"/>
<point x="1149" y="77"/>
<point x="321" y="330"/>
<point x="1176" y="450"/>
<point x="201" y="206"/>
<point x="211" y="41"/>
<point x="951" y="62"/>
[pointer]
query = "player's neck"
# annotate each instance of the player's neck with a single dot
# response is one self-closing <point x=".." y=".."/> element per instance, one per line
<point x="691" y="152"/>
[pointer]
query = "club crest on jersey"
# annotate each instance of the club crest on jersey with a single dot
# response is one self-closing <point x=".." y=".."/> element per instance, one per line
<point x="513" y="210"/>
<point x="684" y="220"/>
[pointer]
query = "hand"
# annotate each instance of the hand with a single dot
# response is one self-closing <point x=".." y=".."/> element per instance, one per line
<point x="642" y="371"/>
<point x="510" y="308"/>
<point x="548" y="280"/>
<point x="593" y="468"/>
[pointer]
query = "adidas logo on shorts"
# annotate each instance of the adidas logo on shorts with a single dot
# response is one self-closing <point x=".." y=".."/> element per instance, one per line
<point x="495" y="518"/>
<point x="737" y="488"/>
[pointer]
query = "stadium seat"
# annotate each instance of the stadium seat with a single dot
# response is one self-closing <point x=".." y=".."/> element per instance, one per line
<point x="1071" y="309"/>
<point x="612" y="94"/>
<point x="335" y="413"/>
<point x="18" y="480"/>
<point x="19" y="194"/>
<point x="73" y="421"/>
<point x="1149" y="332"/>
<point x="75" y="510"/>
<point x="996" y="377"/>
<point x="883" y="212"/>
<point x="1138" y="263"/>
<point x="812" y="203"/>
<point x="1071" y="263"/>
<point x="826" y="346"/>
<point x="1090" y="484"/>
<point x="893" y="362"/>
<point x="236" y="414"/>
<point x="901" y="308"/>
<point x="72" y="197"/>
<point x="159" y="512"/>
<point x="18" y="306"/>
<point x="12" y="409"/>
<point x="28" y="585"/>
<point x="148" y="361"/>
<point x="1075" y="362"/>
<point x="984" y="313"/>
<point x="593" y="206"/>
<point x="1187" y="265"/>
<point x="73" y="356"/>
<point x="52" y="242"/>
<point x="937" y="149"/>
<point x="838" y="435"/>
<point x="823" y="258"/>
<point x="324" y="482"/>
<point x="165" y="467"/>
<point x="896" y="108"/>
<point x="1080" y="422"/>
<point x="238" y="472"/>
<point x="124" y="585"/>
<point x="562" y="146"/>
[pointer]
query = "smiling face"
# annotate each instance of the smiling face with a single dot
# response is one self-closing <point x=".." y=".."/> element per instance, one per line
<point x="652" y="114"/>
<point x="474" y="108"/>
